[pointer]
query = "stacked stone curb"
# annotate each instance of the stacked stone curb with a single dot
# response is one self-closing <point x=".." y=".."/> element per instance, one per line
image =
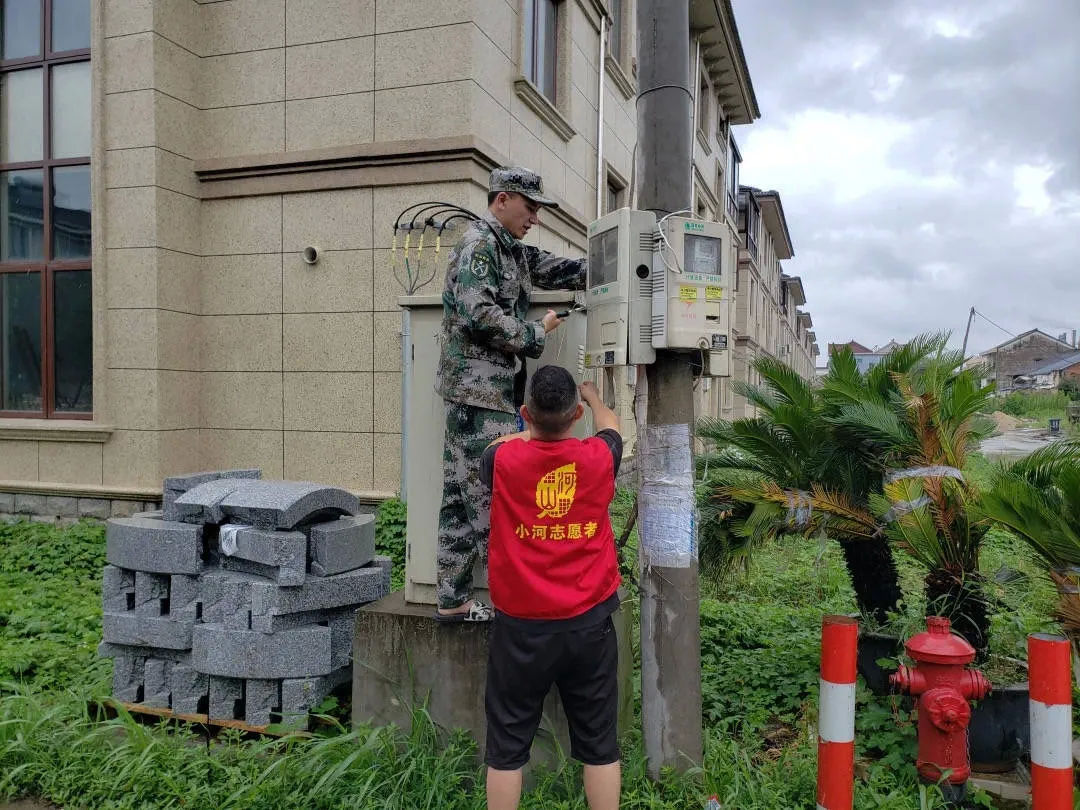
<point x="237" y="599"/>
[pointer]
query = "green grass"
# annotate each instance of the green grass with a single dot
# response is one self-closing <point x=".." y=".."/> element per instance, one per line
<point x="1034" y="406"/>
<point x="759" y="673"/>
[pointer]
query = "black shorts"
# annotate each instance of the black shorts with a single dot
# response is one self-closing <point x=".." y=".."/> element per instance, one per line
<point x="523" y="665"/>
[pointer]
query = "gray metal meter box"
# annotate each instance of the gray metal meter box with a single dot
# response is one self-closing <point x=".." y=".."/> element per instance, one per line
<point x="619" y="289"/>
<point x="692" y="291"/>
<point x="425" y="421"/>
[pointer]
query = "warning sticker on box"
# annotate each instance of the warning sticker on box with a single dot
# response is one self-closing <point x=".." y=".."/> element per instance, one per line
<point x="688" y="293"/>
<point x="714" y="293"/>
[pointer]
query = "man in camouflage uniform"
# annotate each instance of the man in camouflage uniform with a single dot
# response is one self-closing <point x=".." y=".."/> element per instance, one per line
<point x="485" y="336"/>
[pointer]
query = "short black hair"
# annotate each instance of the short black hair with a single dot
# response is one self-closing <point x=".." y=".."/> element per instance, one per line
<point x="491" y="197"/>
<point x="551" y="399"/>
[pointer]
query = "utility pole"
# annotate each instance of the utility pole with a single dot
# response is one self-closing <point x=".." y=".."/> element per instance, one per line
<point x="670" y="621"/>
<point x="971" y="317"/>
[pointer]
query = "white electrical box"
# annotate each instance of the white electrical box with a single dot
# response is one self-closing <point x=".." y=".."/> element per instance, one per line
<point x="619" y="289"/>
<point x="692" y="291"/>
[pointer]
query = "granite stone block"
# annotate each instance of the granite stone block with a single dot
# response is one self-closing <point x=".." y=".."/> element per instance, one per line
<point x="157" y="546"/>
<point x="222" y="593"/>
<point x="184" y="598"/>
<point x="151" y="594"/>
<point x="202" y="504"/>
<point x="321" y="593"/>
<point x="156" y="690"/>
<point x="117" y="589"/>
<point x="261" y="698"/>
<point x="282" y="576"/>
<point x="226" y="697"/>
<point x="342" y="545"/>
<point x="303" y="652"/>
<point x="107" y="650"/>
<point x="128" y="673"/>
<point x="286" y="504"/>
<point x="7" y="503"/>
<point x="342" y="627"/>
<point x="300" y="695"/>
<point x="281" y="556"/>
<point x="190" y="689"/>
<point x="182" y="483"/>
<point x="145" y="631"/>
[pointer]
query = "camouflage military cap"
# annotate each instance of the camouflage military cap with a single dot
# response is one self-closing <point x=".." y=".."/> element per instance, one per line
<point x="518" y="180"/>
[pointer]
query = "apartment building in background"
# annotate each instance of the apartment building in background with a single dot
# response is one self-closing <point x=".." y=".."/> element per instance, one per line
<point x="165" y="164"/>
<point x="768" y="321"/>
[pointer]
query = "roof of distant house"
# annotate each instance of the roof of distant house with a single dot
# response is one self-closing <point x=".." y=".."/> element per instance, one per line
<point x="854" y="345"/>
<point x="1062" y="363"/>
<point x="1006" y="344"/>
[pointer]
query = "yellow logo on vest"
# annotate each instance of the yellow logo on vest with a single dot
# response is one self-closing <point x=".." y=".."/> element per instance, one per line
<point x="555" y="491"/>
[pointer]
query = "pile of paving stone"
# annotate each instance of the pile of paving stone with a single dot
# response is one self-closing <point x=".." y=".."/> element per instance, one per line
<point x="237" y="600"/>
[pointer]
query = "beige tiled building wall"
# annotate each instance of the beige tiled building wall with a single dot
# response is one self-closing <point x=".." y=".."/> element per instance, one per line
<point x="229" y="136"/>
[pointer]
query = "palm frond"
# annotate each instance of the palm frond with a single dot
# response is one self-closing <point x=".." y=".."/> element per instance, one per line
<point x="756" y="395"/>
<point x="786" y="384"/>
<point x="1042" y="467"/>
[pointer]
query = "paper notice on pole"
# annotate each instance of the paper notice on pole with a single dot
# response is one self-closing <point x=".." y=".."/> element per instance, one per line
<point x="667" y="509"/>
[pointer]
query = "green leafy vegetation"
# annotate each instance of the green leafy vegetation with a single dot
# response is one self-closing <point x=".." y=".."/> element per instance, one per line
<point x="390" y="520"/>
<point x="760" y="633"/>
<point x="1036" y="406"/>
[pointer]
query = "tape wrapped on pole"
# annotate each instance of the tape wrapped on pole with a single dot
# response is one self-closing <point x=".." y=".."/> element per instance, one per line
<point x="799" y="508"/>
<point x="836" y="713"/>
<point x="1050" y="695"/>
<point x="667" y="507"/>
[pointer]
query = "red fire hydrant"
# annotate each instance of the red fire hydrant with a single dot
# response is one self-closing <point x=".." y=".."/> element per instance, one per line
<point x="943" y="686"/>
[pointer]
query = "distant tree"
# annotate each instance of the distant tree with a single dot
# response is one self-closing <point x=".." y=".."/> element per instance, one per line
<point x="1070" y="387"/>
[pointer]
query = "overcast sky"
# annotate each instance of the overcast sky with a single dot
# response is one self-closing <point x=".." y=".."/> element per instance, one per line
<point x="927" y="153"/>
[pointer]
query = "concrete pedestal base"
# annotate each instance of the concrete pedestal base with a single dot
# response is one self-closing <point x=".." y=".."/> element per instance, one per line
<point x="402" y="659"/>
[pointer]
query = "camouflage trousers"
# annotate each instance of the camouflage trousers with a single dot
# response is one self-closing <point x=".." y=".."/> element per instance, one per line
<point x="464" y="517"/>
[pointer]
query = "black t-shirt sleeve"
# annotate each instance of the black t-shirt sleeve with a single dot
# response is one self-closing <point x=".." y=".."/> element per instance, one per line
<point x="613" y="440"/>
<point x="487" y="466"/>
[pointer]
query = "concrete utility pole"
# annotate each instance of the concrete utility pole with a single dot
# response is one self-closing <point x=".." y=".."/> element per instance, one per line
<point x="670" y="627"/>
<point x="971" y="317"/>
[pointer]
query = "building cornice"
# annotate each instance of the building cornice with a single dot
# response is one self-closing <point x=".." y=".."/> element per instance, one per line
<point x="54" y="430"/>
<point x="387" y="163"/>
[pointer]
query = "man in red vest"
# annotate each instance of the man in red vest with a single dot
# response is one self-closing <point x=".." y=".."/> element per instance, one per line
<point x="554" y="577"/>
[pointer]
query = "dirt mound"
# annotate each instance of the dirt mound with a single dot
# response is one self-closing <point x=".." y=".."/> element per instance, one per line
<point x="1004" y="421"/>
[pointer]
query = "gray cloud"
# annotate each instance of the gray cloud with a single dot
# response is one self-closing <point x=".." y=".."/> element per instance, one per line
<point x="972" y="91"/>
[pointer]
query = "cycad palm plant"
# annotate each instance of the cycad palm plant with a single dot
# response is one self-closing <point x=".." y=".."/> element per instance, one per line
<point x="927" y="506"/>
<point x="889" y="446"/>
<point x="788" y="450"/>
<point x="1038" y="499"/>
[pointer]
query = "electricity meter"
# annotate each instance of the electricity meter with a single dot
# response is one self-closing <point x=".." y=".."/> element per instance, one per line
<point x="619" y="289"/>
<point x="692" y="291"/>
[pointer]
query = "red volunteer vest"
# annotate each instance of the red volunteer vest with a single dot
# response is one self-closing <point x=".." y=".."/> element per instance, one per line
<point x="551" y="552"/>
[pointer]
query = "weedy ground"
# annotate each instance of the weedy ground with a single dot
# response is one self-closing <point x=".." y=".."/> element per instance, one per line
<point x="759" y="658"/>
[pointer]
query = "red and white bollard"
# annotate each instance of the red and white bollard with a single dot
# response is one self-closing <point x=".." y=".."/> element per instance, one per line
<point x="1050" y="685"/>
<point x="836" y="719"/>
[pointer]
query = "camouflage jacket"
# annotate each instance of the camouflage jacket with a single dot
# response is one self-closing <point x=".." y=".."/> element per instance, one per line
<point x="485" y="303"/>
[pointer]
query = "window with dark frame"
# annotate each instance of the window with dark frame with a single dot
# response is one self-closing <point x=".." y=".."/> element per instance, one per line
<point x="734" y="159"/>
<point x="614" y="195"/>
<point x="46" y="364"/>
<point x="541" y="54"/>
<point x="703" y="104"/>
<point x="615" y="35"/>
